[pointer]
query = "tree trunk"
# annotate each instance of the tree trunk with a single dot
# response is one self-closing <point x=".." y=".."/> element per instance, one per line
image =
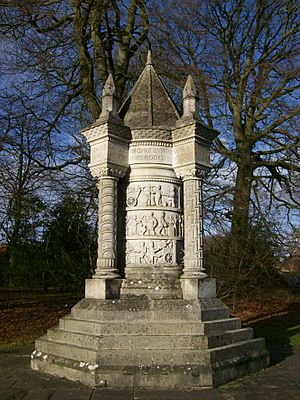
<point x="241" y="203"/>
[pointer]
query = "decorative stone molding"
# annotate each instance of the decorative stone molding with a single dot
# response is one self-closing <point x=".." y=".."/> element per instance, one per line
<point x="159" y="134"/>
<point x="163" y="180"/>
<point x="163" y="143"/>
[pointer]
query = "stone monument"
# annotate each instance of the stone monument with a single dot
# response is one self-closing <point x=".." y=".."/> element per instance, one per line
<point x="150" y="317"/>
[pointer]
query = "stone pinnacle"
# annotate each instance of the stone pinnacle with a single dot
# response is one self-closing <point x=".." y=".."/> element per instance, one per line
<point x="109" y="87"/>
<point x="189" y="89"/>
<point x="149" y="58"/>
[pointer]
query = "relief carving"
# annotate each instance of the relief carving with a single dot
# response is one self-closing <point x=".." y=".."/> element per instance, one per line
<point x="163" y="225"/>
<point x="150" y="252"/>
<point x="160" y="223"/>
<point x="151" y="195"/>
<point x="150" y="224"/>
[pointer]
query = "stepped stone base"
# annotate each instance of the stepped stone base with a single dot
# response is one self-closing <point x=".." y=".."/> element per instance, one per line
<point x="150" y="344"/>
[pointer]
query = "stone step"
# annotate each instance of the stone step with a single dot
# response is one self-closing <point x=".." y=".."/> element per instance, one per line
<point x="50" y="348"/>
<point x="146" y="357"/>
<point x="122" y="357"/>
<point x="171" y="377"/>
<point x="219" y="354"/>
<point x="150" y="310"/>
<point x="221" y="325"/>
<point x="131" y="342"/>
<point x="128" y="328"/>
<point x="148" y="328"/>
<point x="228" y="337"/>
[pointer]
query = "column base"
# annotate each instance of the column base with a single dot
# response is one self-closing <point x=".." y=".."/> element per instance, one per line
<point x="193" y="274"/>
<point x="108" y="273"/>
<point x="193" y="288"/>
<point x="102" y="288"/>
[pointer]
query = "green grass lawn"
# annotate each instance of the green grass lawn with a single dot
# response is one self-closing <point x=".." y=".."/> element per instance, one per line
<point x="294" y="333"/>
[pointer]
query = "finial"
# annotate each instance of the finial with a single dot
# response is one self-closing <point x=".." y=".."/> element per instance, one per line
<point x="189" y="89"/>
<point x="109" y="99"/>
<point x="149" y="58"/>
<point x="190" y="99"/>
<point x="109" y="87"/>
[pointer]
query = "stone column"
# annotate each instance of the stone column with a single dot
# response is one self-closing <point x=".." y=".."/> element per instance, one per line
<point x="105" y="283"/>
<point x="193" y="227"/>
<point x="107" y="228"/>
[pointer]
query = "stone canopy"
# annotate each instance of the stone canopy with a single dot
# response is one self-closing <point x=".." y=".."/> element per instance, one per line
<point x="150" y="317"/>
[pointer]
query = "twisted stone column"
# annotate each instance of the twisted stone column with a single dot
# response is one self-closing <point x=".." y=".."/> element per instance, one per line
<point x="193" y="227"/>
<point x="107" y="228"/>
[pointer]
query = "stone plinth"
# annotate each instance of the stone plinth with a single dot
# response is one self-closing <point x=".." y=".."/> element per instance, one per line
<point x="149" y="343"/>
<point x="150" y="318"/>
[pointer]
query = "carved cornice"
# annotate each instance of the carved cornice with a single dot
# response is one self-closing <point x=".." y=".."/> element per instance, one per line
<point x="106" y="126"/>
<point x="187" y="128"/>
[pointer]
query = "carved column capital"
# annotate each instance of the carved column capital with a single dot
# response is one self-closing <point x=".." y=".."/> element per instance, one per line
<point x="191" y="172"/>
<point x="105" y="171"/>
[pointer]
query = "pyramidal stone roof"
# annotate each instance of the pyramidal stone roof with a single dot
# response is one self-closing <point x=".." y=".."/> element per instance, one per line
<point x="149" y="104"/>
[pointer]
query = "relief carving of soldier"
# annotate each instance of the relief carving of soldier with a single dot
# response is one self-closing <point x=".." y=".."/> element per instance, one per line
<point x="163" y="225"/>
<point x="158" y="196"/>
<point x="150" y="225"/>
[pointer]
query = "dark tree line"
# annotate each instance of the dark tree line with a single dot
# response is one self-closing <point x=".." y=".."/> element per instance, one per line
<point x="58" y="53"/>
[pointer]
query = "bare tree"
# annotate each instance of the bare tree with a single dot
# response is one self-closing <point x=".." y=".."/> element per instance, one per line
<point x="75" y="44"/>
<point x="244" y="55"/>
<point x="55" y="56"/>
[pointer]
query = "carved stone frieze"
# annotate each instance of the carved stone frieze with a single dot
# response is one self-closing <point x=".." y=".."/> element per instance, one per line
<point x="154" y="252"/>
<point x="151" y="227"/>
<point x="153" y="194"/>
<point x="154" y="223"/>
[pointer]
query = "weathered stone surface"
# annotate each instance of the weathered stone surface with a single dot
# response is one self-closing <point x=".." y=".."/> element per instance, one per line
<point x="193" y="288"/>
<point x="102" y="288"/>
<point x="150" y="318"/>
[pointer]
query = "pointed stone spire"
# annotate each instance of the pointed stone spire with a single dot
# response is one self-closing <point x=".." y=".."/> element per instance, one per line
<point x="149" y="58"/>
<point x="109" y="99"/>
<point x="190" y="99"/>
<point x="149" y="103"/>
<point x="109" y="87"/>
<point x="189" y="89"/>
